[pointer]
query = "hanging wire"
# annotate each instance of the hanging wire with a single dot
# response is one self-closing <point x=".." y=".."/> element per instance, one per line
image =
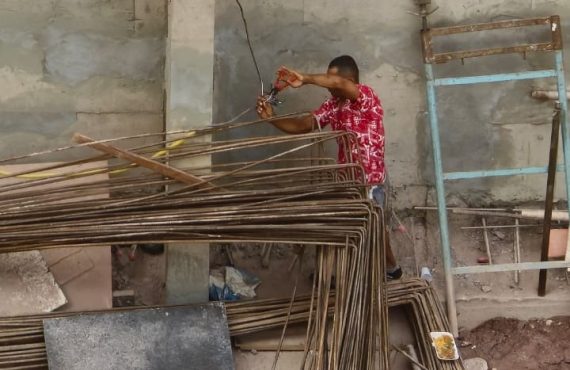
<point x="250" y="46"/>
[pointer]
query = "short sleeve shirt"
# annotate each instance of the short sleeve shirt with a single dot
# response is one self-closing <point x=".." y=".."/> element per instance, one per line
<point x="363" y="117"/>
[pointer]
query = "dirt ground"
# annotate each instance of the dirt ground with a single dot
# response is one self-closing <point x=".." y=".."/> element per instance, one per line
<point x="144" y="273"/>
<point x="512" y="344"/>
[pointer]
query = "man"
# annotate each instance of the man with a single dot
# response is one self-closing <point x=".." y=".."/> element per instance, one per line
<point x="352" y="107"/>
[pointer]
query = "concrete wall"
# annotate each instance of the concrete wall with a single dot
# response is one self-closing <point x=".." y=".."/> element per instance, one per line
<point x="94" y="66"/>
<point x="483" y="127"/>
<point x="189" y="85"/>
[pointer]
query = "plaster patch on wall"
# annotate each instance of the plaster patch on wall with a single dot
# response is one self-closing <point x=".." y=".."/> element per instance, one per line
<point x="49" y="124"/>
<point x="73" y="58"/>
<point x="190" y="81"/>
<point x="23" y="40"/>
<point x="16" y="82"/>
<point x="27" y="6"/>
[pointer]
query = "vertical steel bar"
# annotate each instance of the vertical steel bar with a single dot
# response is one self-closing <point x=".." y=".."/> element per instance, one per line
<point x="441" y="206"/>
<point x="517" y="246"/>
<point x="487" y="243"/>
<point x="552" y="159"/>
<point x="561" y="84"/>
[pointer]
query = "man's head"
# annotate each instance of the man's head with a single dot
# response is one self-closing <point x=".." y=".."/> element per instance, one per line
<point x="344" y="66"/>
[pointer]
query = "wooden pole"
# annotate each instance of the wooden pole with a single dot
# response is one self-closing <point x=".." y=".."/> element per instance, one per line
<point x="552" y="159"/>
<point x="152" y="165"/>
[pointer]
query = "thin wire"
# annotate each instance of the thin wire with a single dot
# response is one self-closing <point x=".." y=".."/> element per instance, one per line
<point x="233" y="119"/>
<point x="250" y="46"/>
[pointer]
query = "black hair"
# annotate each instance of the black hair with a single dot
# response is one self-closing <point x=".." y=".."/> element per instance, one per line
<point x="346" y="66"/>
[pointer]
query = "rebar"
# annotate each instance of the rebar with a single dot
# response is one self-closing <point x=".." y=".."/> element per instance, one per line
<point x="283" y="197"/>
<point x="22" y="341"/>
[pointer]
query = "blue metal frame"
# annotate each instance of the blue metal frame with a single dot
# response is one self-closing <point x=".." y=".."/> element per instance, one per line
<point x="509" y="267"/>
<point x="498" y="173"/>
<point x="441" y="176"/>
<point x="472" y="80"/>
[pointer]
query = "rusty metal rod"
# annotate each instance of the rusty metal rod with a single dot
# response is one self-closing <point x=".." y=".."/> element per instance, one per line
<point x="549" y="200"/>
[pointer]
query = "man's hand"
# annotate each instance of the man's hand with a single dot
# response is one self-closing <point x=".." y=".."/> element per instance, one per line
<point x="264" y="110"/>
<point x="291" y="77"/>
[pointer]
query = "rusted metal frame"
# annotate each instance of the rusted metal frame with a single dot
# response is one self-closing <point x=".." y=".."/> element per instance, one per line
<point x="439" y="58"/>
<point x="190" y="239"/>
<point x="379" y="220"/>
<point x="261" y="310"/>
<point x="516" y="23"/>
<point x="193" y="200"/>
<point x="179" y="223"/>
<point x="187" y="189"/>
<point x="245" y="167"/>
<point x="363" y="303"/>
<point x="427" y="46"/>
<point x="336" y="217"/>
<point x="150" y="215"/>
<point x="204" y="215"/>
<point x="183" y="218"/>
<point x="345" y="141"/>
<point x="556" y="28"/>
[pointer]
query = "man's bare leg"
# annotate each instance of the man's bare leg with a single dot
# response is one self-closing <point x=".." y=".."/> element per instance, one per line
<point x="394" y="271"/>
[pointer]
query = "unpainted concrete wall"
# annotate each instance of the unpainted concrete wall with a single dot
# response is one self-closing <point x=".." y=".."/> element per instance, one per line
<point x="483" y="127"/>
<point x="93" y="66"/>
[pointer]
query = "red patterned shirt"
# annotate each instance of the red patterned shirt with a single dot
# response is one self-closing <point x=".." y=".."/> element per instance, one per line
<point x="363" y="117"/>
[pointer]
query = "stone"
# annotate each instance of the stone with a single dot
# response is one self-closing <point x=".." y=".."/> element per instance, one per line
<point x="476" y="363"/>
<point x="499" y="234"/>
<point x="27" y="287"/>
<point x="567" y="355"/>
<point x="548" y="322"/>
<point x="486" y="288"/>
<point x="123" y="298"/>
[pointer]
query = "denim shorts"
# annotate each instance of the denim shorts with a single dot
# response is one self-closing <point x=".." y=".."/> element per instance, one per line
<point x="380" y="195"/>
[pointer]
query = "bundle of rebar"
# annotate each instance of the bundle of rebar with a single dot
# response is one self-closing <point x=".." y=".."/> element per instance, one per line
<point x="22" y="341"/>
<point x="128" y="194"/>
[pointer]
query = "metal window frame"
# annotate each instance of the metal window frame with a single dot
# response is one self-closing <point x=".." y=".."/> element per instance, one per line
<point x="431" y="58"/>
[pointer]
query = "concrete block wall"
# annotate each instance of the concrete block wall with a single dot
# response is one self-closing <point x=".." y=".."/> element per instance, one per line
<point x="94" y="66"/>
<point x="97" y="66"/>
<point x="482" y="128"/>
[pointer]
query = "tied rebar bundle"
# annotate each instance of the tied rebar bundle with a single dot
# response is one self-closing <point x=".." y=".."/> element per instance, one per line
<point x="183" y="188"/>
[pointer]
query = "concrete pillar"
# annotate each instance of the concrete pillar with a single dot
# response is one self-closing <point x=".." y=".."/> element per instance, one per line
<point x="189" y="90"/>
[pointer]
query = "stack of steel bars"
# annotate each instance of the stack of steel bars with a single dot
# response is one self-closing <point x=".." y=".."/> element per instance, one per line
<point x="285" y="197"/>
<point x="426" y="315"/>
<point x="22" y="341"/>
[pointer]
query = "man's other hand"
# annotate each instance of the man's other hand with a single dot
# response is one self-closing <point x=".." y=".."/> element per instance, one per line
<point x="291" y="77"/>
<point x="264" y="110"/>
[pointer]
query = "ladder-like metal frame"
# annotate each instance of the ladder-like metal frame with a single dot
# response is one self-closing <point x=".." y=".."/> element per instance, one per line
<point x="430" y="59"/>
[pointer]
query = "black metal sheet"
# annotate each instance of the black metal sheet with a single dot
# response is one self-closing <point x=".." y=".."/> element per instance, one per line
<point x="194" y="337"/>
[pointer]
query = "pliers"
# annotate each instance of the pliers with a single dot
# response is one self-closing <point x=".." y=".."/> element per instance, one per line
<point x="279" y="85"/>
